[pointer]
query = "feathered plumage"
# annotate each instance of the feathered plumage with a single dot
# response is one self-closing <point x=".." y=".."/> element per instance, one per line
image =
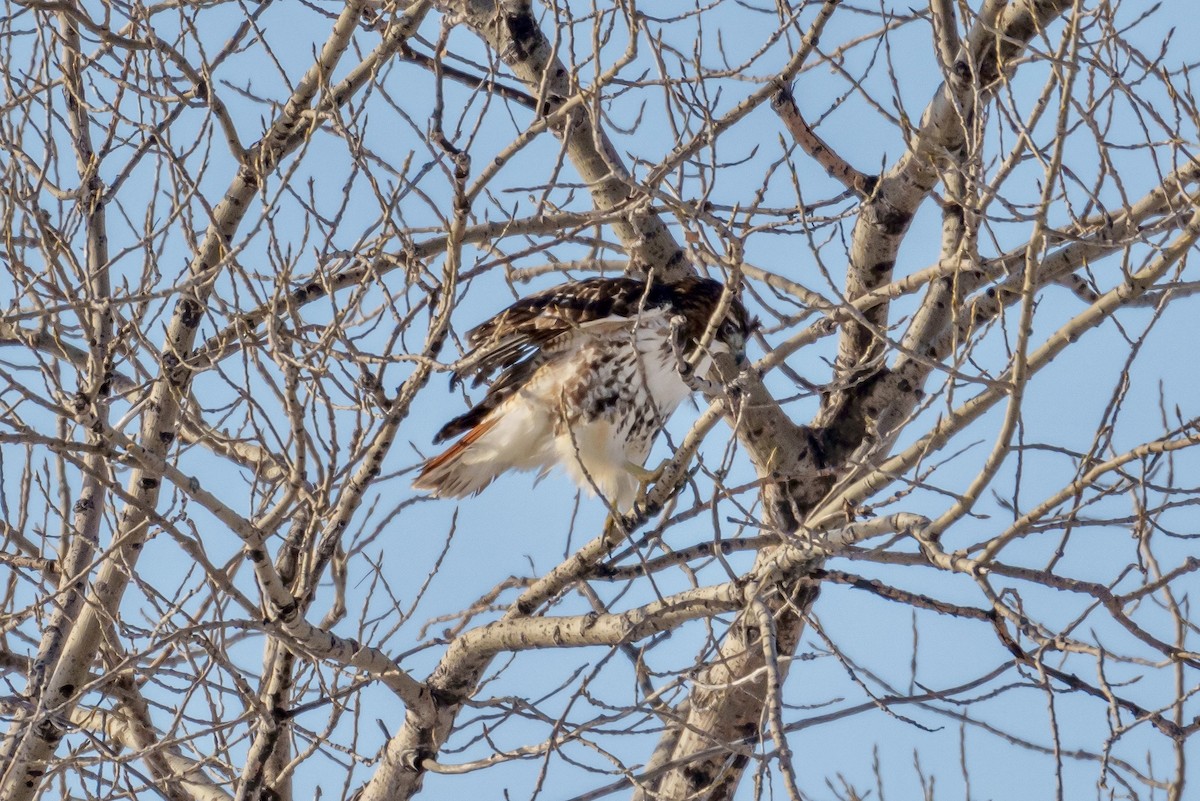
<point x="587" y="373"/>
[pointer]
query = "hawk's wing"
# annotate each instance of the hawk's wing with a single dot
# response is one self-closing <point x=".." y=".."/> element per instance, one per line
<point x="526" y="335"/>
<point x="535" y="322"/>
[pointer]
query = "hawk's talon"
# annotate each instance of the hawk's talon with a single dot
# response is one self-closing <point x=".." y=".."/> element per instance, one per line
<point x="703" y="385"/>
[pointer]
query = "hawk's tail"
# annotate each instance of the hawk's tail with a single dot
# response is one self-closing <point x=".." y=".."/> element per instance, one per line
<point x="463" y="469"/>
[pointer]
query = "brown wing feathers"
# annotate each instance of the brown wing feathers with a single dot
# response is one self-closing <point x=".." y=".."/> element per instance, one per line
<point x="533" y="322"/>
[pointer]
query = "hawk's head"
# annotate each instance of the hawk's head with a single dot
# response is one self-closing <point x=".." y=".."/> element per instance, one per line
<point x="701" y="300"/>
<point x="733" y="332"/>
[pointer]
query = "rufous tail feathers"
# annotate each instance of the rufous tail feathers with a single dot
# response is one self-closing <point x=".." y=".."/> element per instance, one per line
<point x="454" y="473"/>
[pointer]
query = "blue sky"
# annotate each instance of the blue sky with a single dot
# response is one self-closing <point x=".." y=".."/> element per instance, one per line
<point x="388" y="187"/>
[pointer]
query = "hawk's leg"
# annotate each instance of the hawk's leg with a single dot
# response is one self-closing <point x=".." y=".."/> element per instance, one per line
<point x="646" y="477"/>
<point x="644" y="474"/>
<point x="614" y="531"/>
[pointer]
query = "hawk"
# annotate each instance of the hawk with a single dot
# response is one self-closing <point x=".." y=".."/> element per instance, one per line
<point x="589" y="372"/>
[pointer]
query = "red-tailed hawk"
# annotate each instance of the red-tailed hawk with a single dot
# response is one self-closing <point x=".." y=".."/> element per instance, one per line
<point x="589" y="373"/>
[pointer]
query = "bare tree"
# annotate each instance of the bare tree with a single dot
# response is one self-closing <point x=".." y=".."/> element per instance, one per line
<point x="244" y="241"/>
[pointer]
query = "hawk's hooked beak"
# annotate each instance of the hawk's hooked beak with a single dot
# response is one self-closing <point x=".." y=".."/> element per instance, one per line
<point x="737" y="347"/>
